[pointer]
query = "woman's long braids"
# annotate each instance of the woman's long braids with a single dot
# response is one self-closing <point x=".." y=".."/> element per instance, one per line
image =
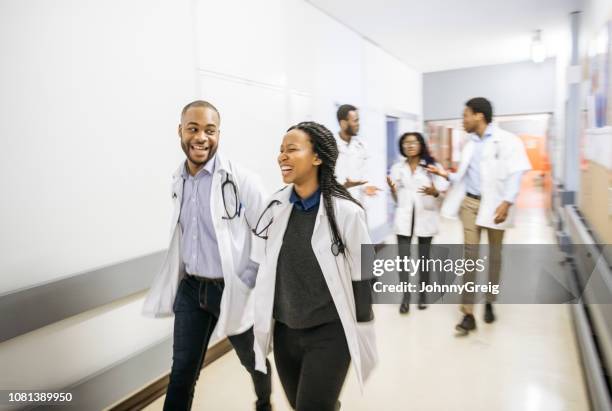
<point x="324" y="145"/>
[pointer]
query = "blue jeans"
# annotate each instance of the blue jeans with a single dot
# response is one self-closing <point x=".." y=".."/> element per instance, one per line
<point x="196" y="311"/>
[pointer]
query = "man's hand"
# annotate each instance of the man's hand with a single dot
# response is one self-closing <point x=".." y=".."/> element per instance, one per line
<point x="371" y="190"/>
<point x="435" y="170"/>
<point x="429" y="191"/>
<point x="501" y="212"/>
<point x="391" y="185"/>
<point x="353" y="183"/>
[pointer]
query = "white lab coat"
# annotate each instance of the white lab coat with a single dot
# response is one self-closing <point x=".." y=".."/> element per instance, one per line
<point x="234" y="240"/>
<point x="337" y="270"/>
<point x="426" y="208"/>
<point x="503" y="155"/>
<point x="352" y="163"/>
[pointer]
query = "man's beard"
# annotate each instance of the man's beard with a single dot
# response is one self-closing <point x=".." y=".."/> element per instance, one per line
<point x="186" y="149"/>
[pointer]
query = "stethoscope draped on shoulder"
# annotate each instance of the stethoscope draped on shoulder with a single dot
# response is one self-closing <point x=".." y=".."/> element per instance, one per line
<point x="233" y="208"/>
<point x="265" y="220"/>
<point x="231" y="199"/>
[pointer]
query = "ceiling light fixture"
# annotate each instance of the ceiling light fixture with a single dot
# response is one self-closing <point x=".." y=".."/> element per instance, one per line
<point x="538" y="51"/>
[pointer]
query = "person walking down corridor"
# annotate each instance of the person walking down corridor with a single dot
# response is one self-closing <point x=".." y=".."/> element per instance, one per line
<point x="207" y="275"/>
<point x="483" y="191"/>
<point x="307" y="299"/>
<point x="416" y="192"/>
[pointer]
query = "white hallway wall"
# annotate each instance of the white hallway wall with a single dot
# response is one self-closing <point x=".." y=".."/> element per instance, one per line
<point x="88" y="110"/>
<point x="90" y="102"/>
<point x="281" y="62"/>
<point x="90" y="92"/>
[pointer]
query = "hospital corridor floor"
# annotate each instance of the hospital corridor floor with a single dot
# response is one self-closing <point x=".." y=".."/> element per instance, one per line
<point x="527" y="360"/>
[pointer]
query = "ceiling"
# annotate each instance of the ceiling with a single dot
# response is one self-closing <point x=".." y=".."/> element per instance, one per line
<point x="435" y="35"/>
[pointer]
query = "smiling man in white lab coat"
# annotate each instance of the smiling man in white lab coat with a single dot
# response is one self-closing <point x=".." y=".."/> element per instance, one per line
<point x="483" y="192"/>
<point x="207" y="275"/>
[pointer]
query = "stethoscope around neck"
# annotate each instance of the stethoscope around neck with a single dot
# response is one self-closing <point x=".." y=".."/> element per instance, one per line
<point x="336" y="247"/>
<point x="228" y="183"/>
<point x="259" y="232"/>
<point x="233" y="210"/>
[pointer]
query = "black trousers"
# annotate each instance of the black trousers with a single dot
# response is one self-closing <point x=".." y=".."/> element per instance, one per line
<point x="312" y="364"/>
<point x="424" y="248"/>
<point x="196" y="311"/>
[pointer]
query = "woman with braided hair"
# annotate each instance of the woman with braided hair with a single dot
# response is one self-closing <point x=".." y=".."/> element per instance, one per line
<point x="415" y="192"/>
<point x="309" y="275"/>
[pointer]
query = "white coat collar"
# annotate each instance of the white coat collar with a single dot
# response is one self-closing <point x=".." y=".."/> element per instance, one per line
<point x="283" y="211"/>
<point x="355" y="141"/>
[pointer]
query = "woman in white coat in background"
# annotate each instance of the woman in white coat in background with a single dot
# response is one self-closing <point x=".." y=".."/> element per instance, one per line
<point x="309" y="274"/>
<point x="416" y="193"/>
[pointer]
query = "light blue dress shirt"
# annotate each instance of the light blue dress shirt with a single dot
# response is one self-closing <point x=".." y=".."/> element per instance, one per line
<point x="199" y="248"/>
<point x="472" y="175"/>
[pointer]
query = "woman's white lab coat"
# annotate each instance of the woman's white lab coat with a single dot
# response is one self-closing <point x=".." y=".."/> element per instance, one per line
<point x="426" y="207"/>
<point x="503" y="154"/>
<point x="234" y="240"/>
<point x="339" y="272"/>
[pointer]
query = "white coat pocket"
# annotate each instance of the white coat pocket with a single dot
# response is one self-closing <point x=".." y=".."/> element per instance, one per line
<point x="159" y="301"/>
<point x="403" y="221"/>
<point x="368" y="351"/>
<point x="239" y="307"/>
<point x="430" y="203"/>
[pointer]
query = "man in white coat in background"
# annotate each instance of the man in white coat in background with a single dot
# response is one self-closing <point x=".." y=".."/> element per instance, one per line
<point x="483" y="192"/>
<point x="352" y="163"/>
<point x="207" y="275"/>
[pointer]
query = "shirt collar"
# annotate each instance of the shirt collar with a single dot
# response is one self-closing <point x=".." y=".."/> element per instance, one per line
<point x="487" y="134"/>
<point x="341" y="142"/>
<point x="307" y="203"/>
<point x="208" y="168"/>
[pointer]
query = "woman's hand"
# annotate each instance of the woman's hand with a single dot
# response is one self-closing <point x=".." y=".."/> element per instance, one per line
<point x="353" y="183"/>
<point x="435" y="170"/>
<point x="392" y="185"/>
<point x="371" y="190"/>
<point x="429" y="191"/>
